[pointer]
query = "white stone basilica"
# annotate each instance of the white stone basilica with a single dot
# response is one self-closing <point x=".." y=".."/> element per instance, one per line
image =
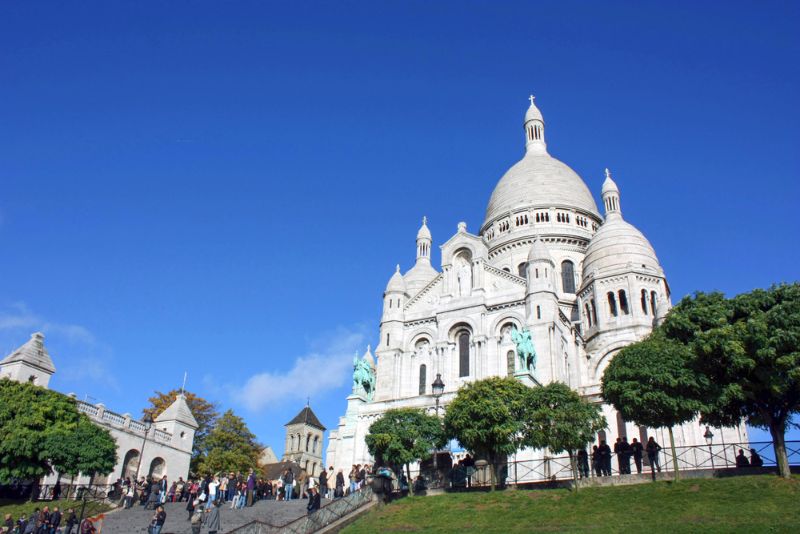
<point x="545" y="259"/>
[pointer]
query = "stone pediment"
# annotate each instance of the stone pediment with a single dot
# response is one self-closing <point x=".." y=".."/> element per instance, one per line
<point x="427" y="298"/>
<point x="499" y="280"/>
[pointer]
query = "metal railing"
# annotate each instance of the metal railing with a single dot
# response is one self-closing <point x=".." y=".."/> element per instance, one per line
<point x="328" y="514"/>
<point x="559" y="468"/>
<point x="51" y="492"/>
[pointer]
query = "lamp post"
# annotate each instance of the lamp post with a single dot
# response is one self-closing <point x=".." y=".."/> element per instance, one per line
<point x="438" y="388"/>
<point x="148" y="423"/>
<point x="710" y="439"/>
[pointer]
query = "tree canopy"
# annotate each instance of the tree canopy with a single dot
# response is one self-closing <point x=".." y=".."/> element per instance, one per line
<point x="652" y="384"/>
<point x="42" y="430"/>
<point x="404" y="435"/>
<point x="204" y="412"/>
<point x="230" y="447"/>
<point x="560" y="419"/>
<point x="487" y="417"/>
<point x="748" y="348"/>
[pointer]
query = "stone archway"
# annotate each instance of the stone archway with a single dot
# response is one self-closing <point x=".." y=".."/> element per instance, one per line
<point x="130" y="465"/>
<point x="158" y="468"/>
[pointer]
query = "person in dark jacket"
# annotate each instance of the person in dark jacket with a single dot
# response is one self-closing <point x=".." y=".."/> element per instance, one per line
<point x="755" y="459"/>
<point x="605" y="458"/>
<point x="339" y="491"/>
<point x="652" y="449"/>
<point x="55" y="520"/>
<point x="625" y="454"/>
<point x="741" y="459"/>
<point x="313" y="501"/>
<point x="212" y="519"/>
<point x="596" y="462"/>
<point x="583" y="463"/>
<point x="323" y="483"/>
<point x="636" y="451"/>
<point x="72" y="520"/>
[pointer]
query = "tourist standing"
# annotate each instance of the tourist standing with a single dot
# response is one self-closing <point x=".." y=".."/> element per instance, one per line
<point x="302" y="483"/>
<point x="625" y="453"/>
<point x="55" y="520"/>
<point x="251" y="487"/>
<point x="353" y="479"/>
<point x="741" y="460"/>
<point x="196" y="520"/>
<point x="596" y="461"/>
<point x="212" y="492"/>
<point x="652" y="449"/>
<point x="755" y="459"/>
<point x="636" y="450"/>
<point x="605" y="458"/>
<point x="8" y="524"/>
<point x="313" y="501"/>
<point x="288" y="484"/>
<point x="72" y="520"/>
<point x="339" y="490"/>
<point x="323" y="483"/>
<point x="212" y="520"/>
<point x="583" y="463"/>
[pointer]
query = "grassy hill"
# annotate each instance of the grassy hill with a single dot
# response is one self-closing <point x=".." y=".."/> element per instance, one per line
<point x="738" y="504"/>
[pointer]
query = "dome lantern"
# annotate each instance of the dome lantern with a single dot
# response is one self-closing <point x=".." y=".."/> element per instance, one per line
<point x="610" y="194"/>
<point x="534" y="129"/>
<point x="424" y="241"/>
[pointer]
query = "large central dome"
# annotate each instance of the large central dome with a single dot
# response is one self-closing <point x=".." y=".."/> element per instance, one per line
<point x="538" y="179"/>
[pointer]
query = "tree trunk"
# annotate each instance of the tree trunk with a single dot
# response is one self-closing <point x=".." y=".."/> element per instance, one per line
<point x="410" y="482"/>
<point x="492" y="471"/>
<point x="779" y="444"/>
<point x="574" y="465"/>
<point x="674" y="455"/>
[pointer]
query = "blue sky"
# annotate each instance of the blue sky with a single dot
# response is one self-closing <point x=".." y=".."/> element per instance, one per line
<point x="224" y="188"/>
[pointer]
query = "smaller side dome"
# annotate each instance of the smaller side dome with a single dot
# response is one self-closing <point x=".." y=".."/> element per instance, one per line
<point x="539" y="252"/>
<point x="396" y="283"/>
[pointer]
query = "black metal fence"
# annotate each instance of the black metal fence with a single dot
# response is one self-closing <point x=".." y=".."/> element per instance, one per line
<point x="558" y="468"/>
<point x="56" y="492"/>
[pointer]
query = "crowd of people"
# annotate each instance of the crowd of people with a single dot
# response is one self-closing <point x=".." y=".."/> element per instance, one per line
<point x="45" y="521"/>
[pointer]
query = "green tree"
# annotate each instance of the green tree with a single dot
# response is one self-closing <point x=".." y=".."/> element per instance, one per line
<point x="82" y="447"/>
<point x="204" y="412"/>
<point x="230" y="446"/>
<point x="748" y="349"/>
<point x="561" y="420"/>
<point x="652" y="384"/>
<point x="404" y="435"/>
<point x="42" y="430"/>
<point x="487" y="417"/>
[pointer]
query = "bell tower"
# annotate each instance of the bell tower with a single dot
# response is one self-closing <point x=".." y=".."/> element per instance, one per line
<point x="304" y="437"/>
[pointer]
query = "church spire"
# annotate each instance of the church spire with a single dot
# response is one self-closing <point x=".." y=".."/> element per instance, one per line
<point x="424" y="241"/>
<point x="534" y="129"/>
<point x="610" y="195"/>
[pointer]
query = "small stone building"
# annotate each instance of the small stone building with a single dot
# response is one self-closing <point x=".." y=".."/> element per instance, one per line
<point x="304" y="435"/>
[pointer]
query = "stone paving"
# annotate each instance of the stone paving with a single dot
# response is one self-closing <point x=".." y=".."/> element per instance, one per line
<point x="137" y="519"/>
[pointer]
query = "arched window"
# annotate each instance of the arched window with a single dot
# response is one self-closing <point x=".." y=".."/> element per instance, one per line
<point x="612" y="304"/>
<point x="308" y="441"/>
<point x="463" y="354"/>
<point x="158" y="468"/>
<point x="538" y="312"/>
<point x="316" y="444"/>
<point x="521" y="270"/>
<point x="423" y="378"/>
<point x="510" y="362"/>
<point x="506" y="269"/>
<point x="291" y="442"/>
<point x="594" y="312"/>
<point x="568" y="276"/>
<point x="644" y="301"/>
<point x="623" y="302"/>
<point x="588" y="315"/>
<point x="653" y="302"/>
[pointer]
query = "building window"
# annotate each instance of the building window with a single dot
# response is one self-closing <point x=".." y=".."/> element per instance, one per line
<point x="653" y="302"/>
<point x="510" y="362"/>
<point x="463" y="354"/>
<point x="644" y="301"/>
<point x="588" y="315"/>
<point x="623" y="302"/>
<point x="612" y="304"/>
<point x="521" y="270"/>
<point x="538" y="312"/>
<point x="594" y="312"/>
<point x="423" y="378"/>
<point x="568" y="276"/>
<point x="387" y="340"/>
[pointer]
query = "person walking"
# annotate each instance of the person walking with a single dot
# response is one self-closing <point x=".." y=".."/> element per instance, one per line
<point x="157" y="523"/>
<point x="636" y="451"/>
<point x="212" y="519"/>
<point x="72" y="520"/>
<point x="652" y="449"/>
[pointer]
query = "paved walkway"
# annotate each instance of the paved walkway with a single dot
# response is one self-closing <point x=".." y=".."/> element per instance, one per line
<point x="137" y="518"/>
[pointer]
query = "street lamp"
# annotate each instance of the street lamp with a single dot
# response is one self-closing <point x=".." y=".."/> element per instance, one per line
<point x="438" y="389"/>
<point x="148" y="423"/>
<point x="709" y="439"/>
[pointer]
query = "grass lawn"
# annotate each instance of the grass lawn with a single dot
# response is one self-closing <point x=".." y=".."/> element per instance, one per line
<point x="18" y="508"/>
<point x="762" y="503"/>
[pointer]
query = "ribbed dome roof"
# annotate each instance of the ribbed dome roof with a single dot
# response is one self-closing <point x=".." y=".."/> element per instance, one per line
<point x="539" y="179"/>
<point x="539" y="252"/>
<point x="396" y="282"/>
<point x="419" y="276"/>
<point x="617" y="244"/>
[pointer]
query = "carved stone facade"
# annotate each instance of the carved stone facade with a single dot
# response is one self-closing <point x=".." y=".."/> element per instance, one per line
<point x="583" y="284"/>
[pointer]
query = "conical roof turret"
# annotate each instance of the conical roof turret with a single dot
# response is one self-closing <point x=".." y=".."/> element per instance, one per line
<point x="539" y="252"/>
<point x="179" y="411"/>
<point x="396" y="283"/>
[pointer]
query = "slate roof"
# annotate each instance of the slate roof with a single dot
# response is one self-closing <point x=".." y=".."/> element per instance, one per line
<point x="179" y="411"/>
<point x="34" y="353"/>
<point x="307" y="417"/>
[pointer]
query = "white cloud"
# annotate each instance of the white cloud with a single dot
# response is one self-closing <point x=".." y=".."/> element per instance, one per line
<point x="328" y="367"/>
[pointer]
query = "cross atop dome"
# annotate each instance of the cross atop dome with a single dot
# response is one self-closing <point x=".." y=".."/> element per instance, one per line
<point x="534" y="128"/>
<point x="531" y="98"/>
